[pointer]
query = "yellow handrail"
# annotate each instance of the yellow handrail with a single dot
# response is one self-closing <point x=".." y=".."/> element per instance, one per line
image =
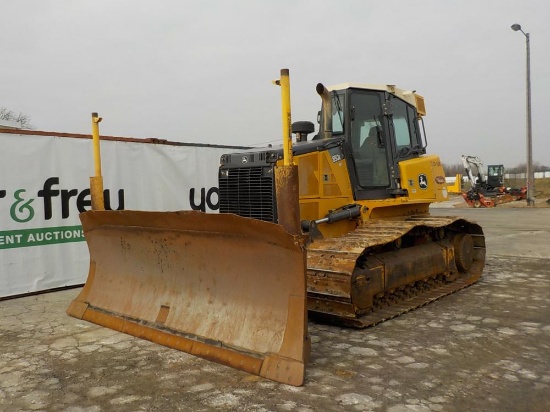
<point x="284" y="82"/>
<point x="96" y="181"/>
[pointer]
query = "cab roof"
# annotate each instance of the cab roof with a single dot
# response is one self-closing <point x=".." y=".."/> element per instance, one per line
<point x="407" y="95"/>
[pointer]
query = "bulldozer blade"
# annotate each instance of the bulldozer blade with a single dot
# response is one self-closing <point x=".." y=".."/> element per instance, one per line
<point x="219" y="286"/>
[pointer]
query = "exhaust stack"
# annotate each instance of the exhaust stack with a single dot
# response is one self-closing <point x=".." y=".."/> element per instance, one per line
<point x="327" y="110"/>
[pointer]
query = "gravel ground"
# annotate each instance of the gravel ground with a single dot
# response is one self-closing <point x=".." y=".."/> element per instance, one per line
<point x="486" y="348"/>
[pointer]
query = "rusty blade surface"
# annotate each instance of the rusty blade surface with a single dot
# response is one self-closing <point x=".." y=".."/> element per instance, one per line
<point x="223" y="287"/>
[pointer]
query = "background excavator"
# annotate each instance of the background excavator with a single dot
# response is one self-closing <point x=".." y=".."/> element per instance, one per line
<point x="488" y="190"/>
<point x="232" y="287"/>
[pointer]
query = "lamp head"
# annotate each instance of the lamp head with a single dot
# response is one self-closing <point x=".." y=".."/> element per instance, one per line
<point x="516" y="27"/>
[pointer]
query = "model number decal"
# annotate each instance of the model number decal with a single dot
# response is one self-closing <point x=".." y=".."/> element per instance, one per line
<point x="336" y="154"/>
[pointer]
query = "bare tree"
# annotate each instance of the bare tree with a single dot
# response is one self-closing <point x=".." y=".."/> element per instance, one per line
<point x="453" y="169"/>
<point x="539" y="167"/>
<point x="11" y="116"/>
<point x="521" y="168"/>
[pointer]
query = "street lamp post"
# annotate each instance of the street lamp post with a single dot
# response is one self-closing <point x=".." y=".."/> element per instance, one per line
<point x="530" y="177"/>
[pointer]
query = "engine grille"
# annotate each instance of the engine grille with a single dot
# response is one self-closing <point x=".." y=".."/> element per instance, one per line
<point x="248" y="192"/>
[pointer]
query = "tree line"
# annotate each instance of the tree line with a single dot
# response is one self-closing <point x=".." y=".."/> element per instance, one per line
<point x="450" y="169"/>
<point x="453" y="169"/>
<point x="11" y="116"/>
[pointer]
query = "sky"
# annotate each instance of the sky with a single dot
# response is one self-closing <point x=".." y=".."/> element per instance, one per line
<point x="201" y="71"/>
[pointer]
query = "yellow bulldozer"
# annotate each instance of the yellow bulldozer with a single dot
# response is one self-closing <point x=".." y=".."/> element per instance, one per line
<point x="337" y="226"/>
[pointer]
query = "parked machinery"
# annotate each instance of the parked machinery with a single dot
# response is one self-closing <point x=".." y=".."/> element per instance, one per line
<point x="488" y="190"/>
<point x="231" y="287"/>
<point x="366" y="184"/>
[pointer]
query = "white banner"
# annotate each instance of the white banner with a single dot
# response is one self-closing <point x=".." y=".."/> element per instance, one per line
<point x="44" y="185"/>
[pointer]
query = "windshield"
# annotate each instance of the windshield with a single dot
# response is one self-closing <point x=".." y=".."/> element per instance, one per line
<point x="368" y="139"/>
<point x="494" y="170"/>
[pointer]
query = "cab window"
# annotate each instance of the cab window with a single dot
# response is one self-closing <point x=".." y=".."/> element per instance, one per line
<point x="338" y="113"/>
<point x="368" y="140"/>
<point x="401" y="124"/>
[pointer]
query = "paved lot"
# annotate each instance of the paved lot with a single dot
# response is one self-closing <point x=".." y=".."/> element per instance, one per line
<point x="486" y="348"/>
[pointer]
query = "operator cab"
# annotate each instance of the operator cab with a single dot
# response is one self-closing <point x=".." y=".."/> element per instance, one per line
<point x="495" y="176"/>
<point x="380" y="126"/>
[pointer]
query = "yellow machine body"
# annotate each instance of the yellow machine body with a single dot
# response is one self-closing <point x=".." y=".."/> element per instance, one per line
<point x="365" y="186"/>
<point x="341" y="293"/>
<point x="456" y="187"/>
<point x="325" y="186"/>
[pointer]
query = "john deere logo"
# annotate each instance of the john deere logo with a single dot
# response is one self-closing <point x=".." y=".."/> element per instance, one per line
<point x="422" y="181"/>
